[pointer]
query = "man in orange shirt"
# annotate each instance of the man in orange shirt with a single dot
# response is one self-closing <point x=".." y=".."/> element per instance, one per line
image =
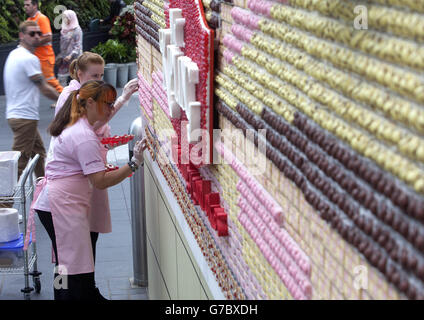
<point x="45" y="51"/>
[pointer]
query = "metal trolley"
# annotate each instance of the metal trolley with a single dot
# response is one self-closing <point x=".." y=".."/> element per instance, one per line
<point x="24" y="192"/>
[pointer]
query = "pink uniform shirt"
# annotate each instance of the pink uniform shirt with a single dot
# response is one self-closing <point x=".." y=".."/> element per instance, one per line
<point x="76" y="150"/>
<point x="73" y="85"/>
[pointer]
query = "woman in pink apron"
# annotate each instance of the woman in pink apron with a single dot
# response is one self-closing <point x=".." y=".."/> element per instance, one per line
<point x="90" y="66"/>
<point x="75" y="169"/>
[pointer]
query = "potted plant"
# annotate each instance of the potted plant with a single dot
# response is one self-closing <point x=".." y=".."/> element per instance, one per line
<point x="124" y="30"/>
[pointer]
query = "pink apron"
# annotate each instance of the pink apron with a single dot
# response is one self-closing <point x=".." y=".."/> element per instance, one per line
<point x="70" y="205"/>
<point x="100" y="220"/>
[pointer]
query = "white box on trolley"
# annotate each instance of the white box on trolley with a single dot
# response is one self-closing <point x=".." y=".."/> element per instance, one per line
<point x="8" y="172"/>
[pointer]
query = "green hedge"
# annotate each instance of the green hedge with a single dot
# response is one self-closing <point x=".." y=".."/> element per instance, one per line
<point x="12" y="13"/>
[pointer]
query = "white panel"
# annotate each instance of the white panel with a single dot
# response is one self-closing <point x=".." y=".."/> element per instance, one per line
<point x="164" y="41"/>
<point x="188" y="282"/>
<point x="174" y="14"/>
<point x="193" y="132"/>
<point x="179" y="32"/>
<point x="152" y="222"/>
<point x="181" y="87"/>
<point x="191" y="79"/>
<point x="153" y="276"/>
<point x="168" y="258"/>
<point x="203" y="295"/>
<point x="169" y="74"/>
<point x="175" y="54"/>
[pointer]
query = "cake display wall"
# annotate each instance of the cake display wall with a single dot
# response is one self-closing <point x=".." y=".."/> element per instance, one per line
<point x="311" y="185"/>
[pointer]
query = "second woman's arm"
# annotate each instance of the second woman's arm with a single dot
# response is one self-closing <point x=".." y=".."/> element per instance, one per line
<point x="102" y="180"/>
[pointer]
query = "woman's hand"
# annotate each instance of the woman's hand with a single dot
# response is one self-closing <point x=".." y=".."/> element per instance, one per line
<point x="129" y="89"/>
<point x="67" y="58"/>
<point x="103" y="179"/>
<point x="139" y="147"/>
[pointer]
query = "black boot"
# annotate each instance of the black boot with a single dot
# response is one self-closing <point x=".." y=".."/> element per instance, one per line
<point x="61" y="290"/>
<point x="89" y="289"/>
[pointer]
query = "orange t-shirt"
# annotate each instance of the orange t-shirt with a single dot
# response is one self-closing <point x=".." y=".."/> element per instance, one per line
<point x="44" y="52"/>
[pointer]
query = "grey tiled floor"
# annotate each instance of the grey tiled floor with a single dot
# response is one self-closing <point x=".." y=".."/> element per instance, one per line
<point x="114" y="261"/>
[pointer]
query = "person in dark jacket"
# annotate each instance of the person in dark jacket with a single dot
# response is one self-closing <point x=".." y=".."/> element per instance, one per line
<point x="115" y="9"/>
